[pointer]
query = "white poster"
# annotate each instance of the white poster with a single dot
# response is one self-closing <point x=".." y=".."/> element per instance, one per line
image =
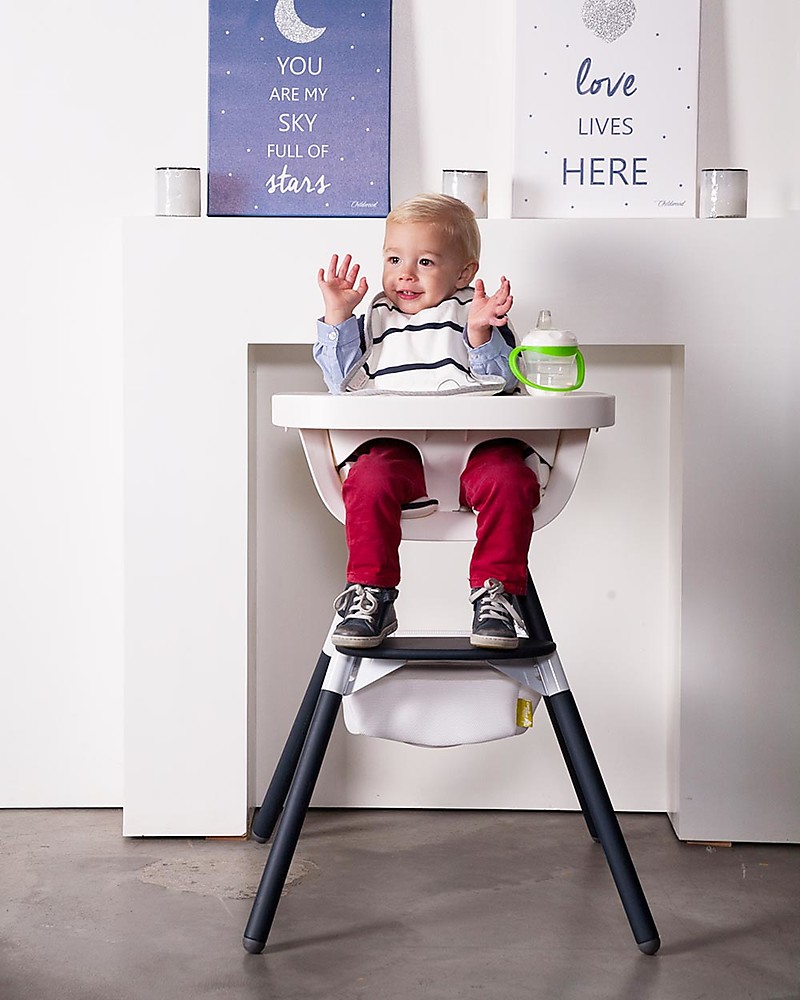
<point x="606" y="108"/>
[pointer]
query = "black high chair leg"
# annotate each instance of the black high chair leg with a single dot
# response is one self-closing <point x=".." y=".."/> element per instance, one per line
<point x="294" y="813"/>
<point x="590" y="789"/>
<point x="267" y="816"/>
<point x="299" y="766"/>
<point x="600" y="816"/>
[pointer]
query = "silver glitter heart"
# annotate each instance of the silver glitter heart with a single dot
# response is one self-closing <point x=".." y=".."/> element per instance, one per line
<point x="608" y="19"/>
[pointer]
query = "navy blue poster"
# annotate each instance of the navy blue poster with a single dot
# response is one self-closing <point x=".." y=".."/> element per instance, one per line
<point x="298" y="107"/>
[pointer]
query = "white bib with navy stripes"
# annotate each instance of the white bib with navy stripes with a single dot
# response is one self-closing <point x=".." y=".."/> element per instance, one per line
<point x="418" y="354"/>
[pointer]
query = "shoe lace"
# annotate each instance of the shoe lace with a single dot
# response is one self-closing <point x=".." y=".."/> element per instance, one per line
<point x="495" y="604"/>
<point x="363" y="604"/>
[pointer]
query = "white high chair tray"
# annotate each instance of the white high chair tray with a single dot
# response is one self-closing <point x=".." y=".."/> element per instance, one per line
<point x="445" y="429"/>
<point x="555" y="411"/>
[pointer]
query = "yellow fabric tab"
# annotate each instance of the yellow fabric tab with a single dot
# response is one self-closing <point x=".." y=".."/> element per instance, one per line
<point x="524" y="713"/>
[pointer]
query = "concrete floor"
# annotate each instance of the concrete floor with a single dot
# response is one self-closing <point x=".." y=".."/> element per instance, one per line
<point x="390" y="905"/>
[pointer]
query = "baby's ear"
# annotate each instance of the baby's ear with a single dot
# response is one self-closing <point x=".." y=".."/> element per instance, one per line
<point x="468" y="272"/>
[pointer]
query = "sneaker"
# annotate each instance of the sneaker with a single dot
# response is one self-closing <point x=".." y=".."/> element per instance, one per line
<point x="494" y="617"/>
<point x="368" y="614"/>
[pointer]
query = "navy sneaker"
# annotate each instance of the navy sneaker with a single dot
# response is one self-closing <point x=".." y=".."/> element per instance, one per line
<point x="368" y="616"/>
<point x="494" y="617"/>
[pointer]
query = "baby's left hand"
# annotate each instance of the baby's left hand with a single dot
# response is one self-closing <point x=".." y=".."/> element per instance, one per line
<point x="488" y="311"/>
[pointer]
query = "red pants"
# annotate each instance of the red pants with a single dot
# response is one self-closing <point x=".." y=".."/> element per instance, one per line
<point x="496" y="483"/>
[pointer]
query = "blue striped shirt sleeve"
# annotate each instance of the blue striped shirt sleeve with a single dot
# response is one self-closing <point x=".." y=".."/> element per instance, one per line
<point x="491" y="358"/>
<point x="337" y="350"/>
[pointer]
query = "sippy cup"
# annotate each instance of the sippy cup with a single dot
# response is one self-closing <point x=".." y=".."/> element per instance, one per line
<point x="549" y="359"/>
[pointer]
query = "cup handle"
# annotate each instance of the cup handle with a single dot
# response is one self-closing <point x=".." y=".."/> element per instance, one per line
<point x="512" y="364"/>
<point x="581" y="373"/>
<point x="579" y="363"/>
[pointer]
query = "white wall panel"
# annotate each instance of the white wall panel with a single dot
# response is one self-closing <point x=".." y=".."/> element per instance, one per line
<point x="98" y="95"/>
<point x="671" y="570"/>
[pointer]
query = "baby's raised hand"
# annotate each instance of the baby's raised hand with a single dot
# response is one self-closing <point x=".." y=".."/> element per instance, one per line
<point x="486" y="311"/>
<point x="339" y="290"/>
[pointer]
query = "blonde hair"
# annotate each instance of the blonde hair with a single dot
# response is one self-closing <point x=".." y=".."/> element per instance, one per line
<point x="455" y="219"/>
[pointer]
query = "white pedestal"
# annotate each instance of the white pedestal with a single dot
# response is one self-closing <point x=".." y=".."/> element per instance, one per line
<point x="195" y="299"/>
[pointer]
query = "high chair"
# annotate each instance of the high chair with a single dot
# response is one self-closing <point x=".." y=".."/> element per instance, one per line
<point x="395" y="691"/>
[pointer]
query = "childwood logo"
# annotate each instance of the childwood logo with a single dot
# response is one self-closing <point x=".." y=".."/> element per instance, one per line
<point x="363" y="204"/>
<point x="669" y="203"/>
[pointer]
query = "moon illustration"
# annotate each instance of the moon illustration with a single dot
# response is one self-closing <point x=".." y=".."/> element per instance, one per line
<point x="291" y="26"/>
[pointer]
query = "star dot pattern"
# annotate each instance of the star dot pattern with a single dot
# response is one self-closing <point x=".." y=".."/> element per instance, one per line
<point x="299" y="128"/>
<point x="606" y="109"/>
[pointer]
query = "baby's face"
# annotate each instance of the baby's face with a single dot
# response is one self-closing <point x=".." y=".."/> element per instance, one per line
<point x="420" y="267"/>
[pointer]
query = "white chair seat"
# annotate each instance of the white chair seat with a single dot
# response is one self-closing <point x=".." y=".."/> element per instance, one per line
<point x="445" y="431"/>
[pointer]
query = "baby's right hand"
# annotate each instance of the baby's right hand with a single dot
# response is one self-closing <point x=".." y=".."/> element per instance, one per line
<point x="339" y="290"/>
